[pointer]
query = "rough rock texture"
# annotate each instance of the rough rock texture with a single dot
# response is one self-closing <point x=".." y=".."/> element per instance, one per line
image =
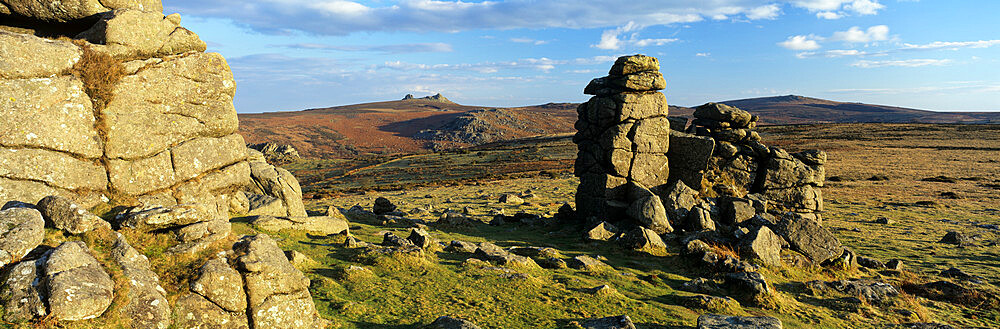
<point x="807" y="236"/>
<point x="147" y="303"/>
<point x="21" y="230"/>
<point x="56" y="12"/>
<point x="764" y="245"/>
<point x="279" y="183"/>
<point x="869" y="290"/>
<point x="130" y="34"/>
<point x="622" y="138"/>
<point x="715" y="321"/>
<point x="277" y="293"/>
<point x="21" y="291"/>
<point x="195" y="226"/>
<point x="165" y="127"/>
<point x="77" y="286"/>
<point x="62" y="213"/>
<point x="318" y="224"/>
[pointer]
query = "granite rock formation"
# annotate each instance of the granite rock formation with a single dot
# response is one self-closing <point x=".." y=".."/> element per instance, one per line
<point x="712" y="181"/>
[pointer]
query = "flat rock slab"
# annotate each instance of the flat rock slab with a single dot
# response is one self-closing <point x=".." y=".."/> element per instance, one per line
<point x="715" y="321"/>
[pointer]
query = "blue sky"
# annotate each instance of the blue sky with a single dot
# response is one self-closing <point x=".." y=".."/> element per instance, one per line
<point x="297" y="54"/>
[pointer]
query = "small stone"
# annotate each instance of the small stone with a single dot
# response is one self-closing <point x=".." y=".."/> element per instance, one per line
<point x="715" y="321"/>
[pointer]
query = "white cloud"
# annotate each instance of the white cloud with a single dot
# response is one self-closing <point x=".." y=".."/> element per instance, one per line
<point x="613" y="39"/>
<point x="529" y="40"/>
<point x="801" y="42"/>
<point x="828" y="15"/>
<point x="856" y="35"/>
<point x="341" y="17"/>
<point x="437" y="47"/>
<point x="952" y="45"/>
<point x="826" y="9"/>
<point x="542" y="64"/>
<point x="764" y="12"/>
<point x="864" y="7"/>
<point x="833" y="53"/>
<point x="901" y="63"/>
<point x="703" y="54"/>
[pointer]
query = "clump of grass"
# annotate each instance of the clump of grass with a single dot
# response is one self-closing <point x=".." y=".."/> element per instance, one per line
<point x="99" y="72"/>
<point x="724" y="250"/>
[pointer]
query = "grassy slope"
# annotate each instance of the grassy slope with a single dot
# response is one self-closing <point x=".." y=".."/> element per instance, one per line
<point x="408" y="292"/>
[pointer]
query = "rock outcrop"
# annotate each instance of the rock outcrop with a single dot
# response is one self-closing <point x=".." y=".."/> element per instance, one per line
<point x="715" y="182"/>
<point x="132" y="109"/>
<point x="113" y="106"/>
<point x="623" y="139"/>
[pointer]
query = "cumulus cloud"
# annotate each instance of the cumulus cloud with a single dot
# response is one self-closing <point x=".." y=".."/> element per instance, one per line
<point x="835" y="9"/>
<point x="542" y="64"/>
<point x="951" y="45"/>
<point x="901" y="63"/>
<point x="801" y="42"/>
<point x="828" y="15"/>
<point x="613" y="39"/>
<point x="340" y="17"/>
<point x="856" y="35"/>
<point x="703" y="54"/>
<point x="390" y="49"/>
<point x="764" y="12"/>
<point x="529" y="40"/>
<point x="833" y="53"/>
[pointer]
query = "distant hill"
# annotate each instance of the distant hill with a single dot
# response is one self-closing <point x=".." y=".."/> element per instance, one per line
<point x="425" y="124"/>
<point x="410" y="125"/>
<point x="794" y="109"/>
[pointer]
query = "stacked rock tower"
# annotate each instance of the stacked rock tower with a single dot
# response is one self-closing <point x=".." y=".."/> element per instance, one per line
<point x="623" y="137"/>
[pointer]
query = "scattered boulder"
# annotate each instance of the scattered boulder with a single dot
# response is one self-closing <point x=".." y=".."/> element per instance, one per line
<point x="604" y="231"/>
<point x="279" y="183"/>
<point x="715" y="321"/>
<point x="894" y="264"/>
<point x="807" y="236"/>
<point x="383" y="206"/>
<point x="461" y="246"/>
<point x="764" y="245"/>
<point x="700" y="219"/>
<point x="749" y="284"/>
<point x="494" y="254"/>
<point x="957" y="238"/>
<point x="679" y="200"/>
<point x="871" y="263"/>
<point x="259" y="204"/>
<point x="319" y="224"/>
<point x="221" y="284"/>
<point x="21" y="230"/>
<point x="21" y="291"/>
<point x="511" y="199"/>
<point x="62" y="213"/>
<point x="611" y="322"/>
<point x="277" y="293"/>
<point x="300" y="260"/>
<point x="644" y="240"/>
<point x="77" y="287"/>
<point x="420" y="238"/>
<point x="587" y="263"/>
<point x="648" y="211"/>
<point x="869" y="290"/>
<point x="956" y="273"/>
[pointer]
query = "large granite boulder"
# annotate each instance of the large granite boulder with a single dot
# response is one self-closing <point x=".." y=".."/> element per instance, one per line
<point x="77" y="287"/>
<point x="128" y="34"/>
<point x="21" y="291"/>
<point x="716" y="321"/>
<point x="69" y="11"/>
<point x="62" y="213"/>
<point x="277" y="293"/>
<point x="808" y="237"/>
<point x="279" y="183"/>
<point x="21" y="230"/>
